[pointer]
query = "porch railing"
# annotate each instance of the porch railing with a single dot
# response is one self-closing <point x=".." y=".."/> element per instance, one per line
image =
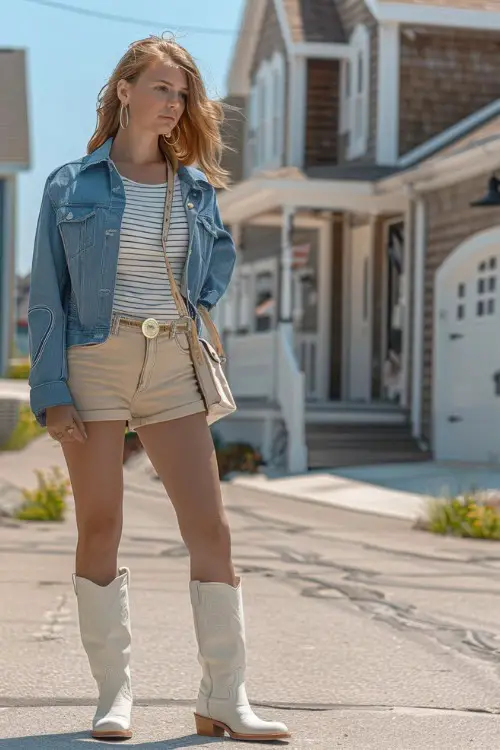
<point x="251" y="365"/>
<point x="306" y="351"/>
<point x="290" y="393"/>
<point x="264" y="366"/>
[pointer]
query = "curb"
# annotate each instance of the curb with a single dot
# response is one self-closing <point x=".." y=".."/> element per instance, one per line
<point x="341" y="493"/>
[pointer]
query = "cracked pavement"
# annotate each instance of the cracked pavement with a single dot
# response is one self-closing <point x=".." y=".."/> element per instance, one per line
<point x="362" y="632"/>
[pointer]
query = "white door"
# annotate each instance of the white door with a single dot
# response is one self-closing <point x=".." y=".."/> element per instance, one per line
<point x="467" y="359"/>
<point x="360" y="304"/>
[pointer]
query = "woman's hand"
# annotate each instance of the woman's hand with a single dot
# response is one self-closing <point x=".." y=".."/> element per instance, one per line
<point x="64" y="424"/>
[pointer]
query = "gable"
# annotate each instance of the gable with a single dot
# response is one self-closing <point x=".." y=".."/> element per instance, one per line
<point x="270" y="38"/>
<point x="313" y="21"/>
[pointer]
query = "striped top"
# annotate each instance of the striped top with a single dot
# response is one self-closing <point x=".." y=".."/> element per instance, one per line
<point x="142" y="286"/>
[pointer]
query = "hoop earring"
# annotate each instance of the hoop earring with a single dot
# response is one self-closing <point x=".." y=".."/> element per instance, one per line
<point x="173" y="143"/>
<point x="124" y="109"/>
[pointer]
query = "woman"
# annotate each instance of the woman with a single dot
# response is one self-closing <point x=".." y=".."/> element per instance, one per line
<point x="108" y="348"/>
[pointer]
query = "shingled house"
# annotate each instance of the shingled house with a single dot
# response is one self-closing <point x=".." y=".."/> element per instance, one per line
<point x="359" y="324"/>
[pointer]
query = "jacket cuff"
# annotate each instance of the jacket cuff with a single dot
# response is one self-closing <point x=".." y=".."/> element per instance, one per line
<point x="209" y="300"/>
<point x="55" y="393"/>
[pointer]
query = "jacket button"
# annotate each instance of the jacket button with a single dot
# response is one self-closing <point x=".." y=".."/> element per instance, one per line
<point x="190" y="205"/>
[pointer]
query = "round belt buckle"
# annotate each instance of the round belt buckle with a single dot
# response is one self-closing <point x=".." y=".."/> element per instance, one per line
<point x="150" y="328"/>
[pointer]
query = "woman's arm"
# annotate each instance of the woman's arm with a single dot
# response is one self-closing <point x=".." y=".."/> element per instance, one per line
<point x="221" y="265"/>
<point x="46" y="316"/>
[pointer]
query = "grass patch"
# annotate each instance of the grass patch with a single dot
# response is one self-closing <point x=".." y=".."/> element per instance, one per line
<point x="26" y="430"/>
<point x="48" y="501"/>
<point x="19" y="371"/>
<point x="473" y="516"/>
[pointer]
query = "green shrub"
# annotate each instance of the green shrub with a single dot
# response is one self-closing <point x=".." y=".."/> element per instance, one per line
<point x="24" y="432"/>
<point x="19" y="371"/>
<point x="472" y="516"/>
<point x="48" y="501"/>
<point x="238" y="457"/>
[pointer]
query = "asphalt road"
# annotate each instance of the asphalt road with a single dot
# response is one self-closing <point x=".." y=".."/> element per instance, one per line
<point x="363" y="634"/>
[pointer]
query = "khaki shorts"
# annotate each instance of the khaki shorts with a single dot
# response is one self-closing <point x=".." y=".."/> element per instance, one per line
<point x="131" y="377"/>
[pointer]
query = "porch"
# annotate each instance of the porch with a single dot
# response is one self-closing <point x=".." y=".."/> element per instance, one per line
<point x="316" y="322"/>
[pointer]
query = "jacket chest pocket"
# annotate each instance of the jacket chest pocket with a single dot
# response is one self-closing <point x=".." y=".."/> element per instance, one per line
<point x="77" y="226"/>
<point x="207" y="224"/>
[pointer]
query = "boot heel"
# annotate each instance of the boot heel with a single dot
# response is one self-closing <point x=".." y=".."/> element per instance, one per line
<point x="206" y="727"/>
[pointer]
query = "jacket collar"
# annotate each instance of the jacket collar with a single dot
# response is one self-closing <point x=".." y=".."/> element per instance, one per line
<point x="191" y="175"/>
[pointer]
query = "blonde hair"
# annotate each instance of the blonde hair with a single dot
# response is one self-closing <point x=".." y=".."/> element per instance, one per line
<point x="197" y="137"/>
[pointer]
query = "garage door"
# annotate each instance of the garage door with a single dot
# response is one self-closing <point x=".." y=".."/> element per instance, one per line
<point x="467" y="353"/>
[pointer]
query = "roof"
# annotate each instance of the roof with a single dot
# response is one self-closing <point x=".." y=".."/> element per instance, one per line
<point x="454" y="136"/>
<point x="363" y="172"/>
<point x="314" y="21"/>
<point x="14" y="134"/>
<point x="482" y="134"/>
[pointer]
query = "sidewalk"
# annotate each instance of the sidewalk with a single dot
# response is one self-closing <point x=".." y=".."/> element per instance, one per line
<point x="398" y="491"/>
<point x="393" y="490"/>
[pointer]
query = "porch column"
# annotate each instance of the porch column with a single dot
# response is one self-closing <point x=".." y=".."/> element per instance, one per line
<point x="418" y="318"/>
<point x="231" y="306"/>
<point x="286" y="304"/>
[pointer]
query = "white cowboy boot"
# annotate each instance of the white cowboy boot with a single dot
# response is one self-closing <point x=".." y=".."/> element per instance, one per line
<point x="222" y="704"/>
<point x="104" y="617"/>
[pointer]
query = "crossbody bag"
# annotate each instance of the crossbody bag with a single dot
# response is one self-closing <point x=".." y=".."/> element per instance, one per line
<point x="207" y="356"/>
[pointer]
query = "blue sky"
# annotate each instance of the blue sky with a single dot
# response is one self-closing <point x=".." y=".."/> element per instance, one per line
<point x="69" y="59"/>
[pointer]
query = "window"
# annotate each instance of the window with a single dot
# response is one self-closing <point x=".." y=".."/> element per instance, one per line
<point x="266" y="137"/>
<point x="355" y="94"/>
<point x="486" y="287"/>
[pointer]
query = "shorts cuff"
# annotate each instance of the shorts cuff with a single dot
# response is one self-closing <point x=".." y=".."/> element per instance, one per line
<point x="165" y="416"/>
<point x="104" y="415"/>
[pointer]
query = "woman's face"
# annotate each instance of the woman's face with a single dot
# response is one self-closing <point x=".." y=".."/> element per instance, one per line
<point x="157" y="99"/>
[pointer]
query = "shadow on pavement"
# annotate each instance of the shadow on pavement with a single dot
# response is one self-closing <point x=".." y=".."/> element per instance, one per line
<point x="63" y="741"/>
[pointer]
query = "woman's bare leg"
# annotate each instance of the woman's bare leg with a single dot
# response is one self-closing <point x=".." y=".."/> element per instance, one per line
<point x="96" y="472"/>
<point x="183" y="454"/>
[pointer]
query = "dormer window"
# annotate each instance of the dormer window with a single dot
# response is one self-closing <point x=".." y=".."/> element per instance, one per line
<point x="265" y="142"/>
<point x="355" y="94"/>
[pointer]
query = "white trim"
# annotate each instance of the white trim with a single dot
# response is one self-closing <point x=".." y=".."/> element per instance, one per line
<point x="267" y="104"/>
<point x="297" y="92"/>
<point x="450" y="135"/>
<point x="418" y="318"/>
<point x="432" y="15"/>
<point x="322" y="50"/>
<point x="238" y="77"/>
<point x="283" y="22"/>
<point x="324" y="307"/>
<point x="359" y="109"/>
<point x="448" y="169"/>
<point x="259" y="195"/>
<point x="388" y="94"/>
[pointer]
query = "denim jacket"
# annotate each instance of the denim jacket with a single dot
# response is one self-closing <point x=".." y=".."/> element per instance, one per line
<point x="75" y="261"/>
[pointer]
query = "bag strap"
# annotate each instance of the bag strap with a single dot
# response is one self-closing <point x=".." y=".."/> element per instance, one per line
<point x="178" y="298"/>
